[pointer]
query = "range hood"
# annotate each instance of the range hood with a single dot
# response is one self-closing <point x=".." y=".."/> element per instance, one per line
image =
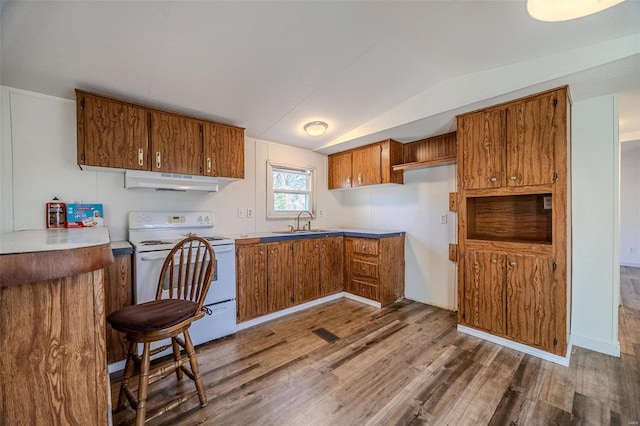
<point x="169" y="181"/>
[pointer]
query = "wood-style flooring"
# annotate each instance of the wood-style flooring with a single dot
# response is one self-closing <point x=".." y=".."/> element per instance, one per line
<point x="344" y="363"/>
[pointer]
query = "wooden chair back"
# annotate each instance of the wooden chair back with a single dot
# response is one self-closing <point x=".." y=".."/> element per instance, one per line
<point x="187" y="271"/>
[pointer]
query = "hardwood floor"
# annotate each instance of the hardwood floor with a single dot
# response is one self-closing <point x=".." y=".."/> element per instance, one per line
<point x="404" y="364"/>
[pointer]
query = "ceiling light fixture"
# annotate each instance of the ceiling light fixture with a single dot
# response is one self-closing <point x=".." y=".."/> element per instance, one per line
<point x="315" y="128"/>
<point x="564" y="10"/>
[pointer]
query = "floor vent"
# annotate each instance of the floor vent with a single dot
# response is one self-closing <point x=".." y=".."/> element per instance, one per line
<point x="326" y="335"/>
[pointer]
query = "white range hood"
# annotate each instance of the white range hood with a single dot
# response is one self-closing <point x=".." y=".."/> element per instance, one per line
<point x="134" y="179"/>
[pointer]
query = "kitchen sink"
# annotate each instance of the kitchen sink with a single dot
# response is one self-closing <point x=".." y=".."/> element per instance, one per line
<point x="301" y="231"/>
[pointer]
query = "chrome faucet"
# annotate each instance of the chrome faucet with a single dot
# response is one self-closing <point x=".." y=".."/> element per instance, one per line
<point x="308" y="223"/>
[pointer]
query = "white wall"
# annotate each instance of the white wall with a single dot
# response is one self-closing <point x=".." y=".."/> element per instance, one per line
<point x="38" y="159"/>
<point x="630" y="204"/>
<point x="596" y="276"/>
<point x="414" y="207"/>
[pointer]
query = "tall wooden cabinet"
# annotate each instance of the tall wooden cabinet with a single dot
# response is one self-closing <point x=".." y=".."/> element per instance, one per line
<point x="513" y="221"/>
<point x="121" y="135"/>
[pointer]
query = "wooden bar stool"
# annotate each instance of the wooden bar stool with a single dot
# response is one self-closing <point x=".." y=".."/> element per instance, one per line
<point x="182" y="287"/>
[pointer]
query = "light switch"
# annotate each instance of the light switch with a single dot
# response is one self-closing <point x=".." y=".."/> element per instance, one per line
<point x="241" y="212"/>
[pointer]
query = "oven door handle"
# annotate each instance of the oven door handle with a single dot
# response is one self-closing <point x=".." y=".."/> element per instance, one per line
<point x="153" y="258"/>
<point x="223" y="250"/>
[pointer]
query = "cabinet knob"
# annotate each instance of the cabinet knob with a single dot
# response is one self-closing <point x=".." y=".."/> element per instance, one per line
<point x="512" y="263"/>
<point x="158" y="160"/>
<point x="494" y="261"/>
<point x="493" y="179"/>
<point x="514" y="177"/>
<point x="140" y="157"/>
<point x="271" y="252"/>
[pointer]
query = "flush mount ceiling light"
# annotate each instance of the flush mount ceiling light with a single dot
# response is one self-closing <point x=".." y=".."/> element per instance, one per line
<point x="564" y="10"/>
<point x="315" y="128"/>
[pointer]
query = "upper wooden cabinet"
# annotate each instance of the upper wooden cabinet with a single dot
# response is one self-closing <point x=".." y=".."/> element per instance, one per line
<point x="122" y="135"/>
<point x="176" y="144"/>
<point x="111" y="134"/>
<point x="512" y="145"/>
<point x="223" y="151"/>
<point x="367" y="165"/>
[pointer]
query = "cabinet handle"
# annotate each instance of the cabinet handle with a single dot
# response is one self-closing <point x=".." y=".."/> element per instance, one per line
<point x="512" y="263"/>
<point x="158" y="160"/>
<point x="209" y="164"/>
<point x="348" y="180"/>
<point x="514" y="177"/>
<point x="493" y="179"/>
<point x="140" y="157"/>
<point x="359" y="179"/>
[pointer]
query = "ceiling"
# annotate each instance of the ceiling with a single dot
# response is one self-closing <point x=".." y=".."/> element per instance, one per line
<point x="370" y="69"/>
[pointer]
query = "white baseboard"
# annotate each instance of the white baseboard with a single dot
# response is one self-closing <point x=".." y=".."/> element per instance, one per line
<point x="557" y="359"/>
<point x="362" y="300"/>
<point x="303" y="306"/>
<point x="631" y="264"/>
<point x="608" y="348"/>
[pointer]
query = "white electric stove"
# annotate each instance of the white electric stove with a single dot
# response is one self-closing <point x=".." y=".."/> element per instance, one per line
<point x="153" y="235"/>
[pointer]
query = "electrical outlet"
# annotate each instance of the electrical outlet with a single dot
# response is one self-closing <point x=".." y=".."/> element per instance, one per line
<point x="249" y="213"/>
<point x="320" y="213"/>
<point x="443" y="218"/>
<point x="241" y="212"/>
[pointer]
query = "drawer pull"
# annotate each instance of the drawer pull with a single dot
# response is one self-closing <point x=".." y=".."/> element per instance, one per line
<point x="140" y="157"/>
<point x="493" y="179"/>
<point x="158" y="160"/>
<point x="512" y="263"/>
<point x="514" y="177"/>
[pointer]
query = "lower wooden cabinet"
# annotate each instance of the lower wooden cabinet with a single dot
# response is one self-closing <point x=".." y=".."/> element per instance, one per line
<point x="374" y="268"/>
<point x="331" y="265"/>
<point x="512" y="295"/>
<point x="278" y="275"/>
<point x="251" y="277"/>
<point x="118" y="293"/>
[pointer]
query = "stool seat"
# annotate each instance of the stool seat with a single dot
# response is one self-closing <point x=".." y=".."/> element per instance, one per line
<point x="152" y="316"/>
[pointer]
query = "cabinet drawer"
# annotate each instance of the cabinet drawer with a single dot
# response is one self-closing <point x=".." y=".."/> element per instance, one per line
<point x="366" y="269"/>
<point x="364" y="289"/>
<point x="364" y="246"/>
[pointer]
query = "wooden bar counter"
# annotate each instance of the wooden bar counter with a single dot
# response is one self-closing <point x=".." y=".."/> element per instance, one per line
<point x="52" y="327"/>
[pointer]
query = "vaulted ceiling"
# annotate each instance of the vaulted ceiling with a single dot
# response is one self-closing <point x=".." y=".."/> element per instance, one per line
<point x="370" y="69"/>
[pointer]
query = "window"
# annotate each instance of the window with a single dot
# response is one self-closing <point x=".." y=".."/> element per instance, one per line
<point x="290" y="190"/>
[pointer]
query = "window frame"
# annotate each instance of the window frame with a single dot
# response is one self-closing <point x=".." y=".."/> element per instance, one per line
<point x="271" y="212"/>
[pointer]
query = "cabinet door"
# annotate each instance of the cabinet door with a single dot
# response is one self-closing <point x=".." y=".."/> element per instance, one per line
<point x="531" y="310"/>
<point x="176" y="143"/>
<point x="112" y="134"/>
<point x="223" y="151"/>
<point x="340" y="170"/>
<point x="251" y="273"/>
<point x="331" y="265"/>
<point x="279" y="275"/>
<point x="367" y="166"/>
<point x="484" y="291"/>
<point x="533" y="128"/>
<point x="306" y="270"/>
<point x="483" y="145"/>
<point x="117" y="294"/>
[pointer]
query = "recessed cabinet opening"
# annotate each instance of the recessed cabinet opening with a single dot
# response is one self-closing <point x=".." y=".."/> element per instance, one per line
<point x="512" y="218"/>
